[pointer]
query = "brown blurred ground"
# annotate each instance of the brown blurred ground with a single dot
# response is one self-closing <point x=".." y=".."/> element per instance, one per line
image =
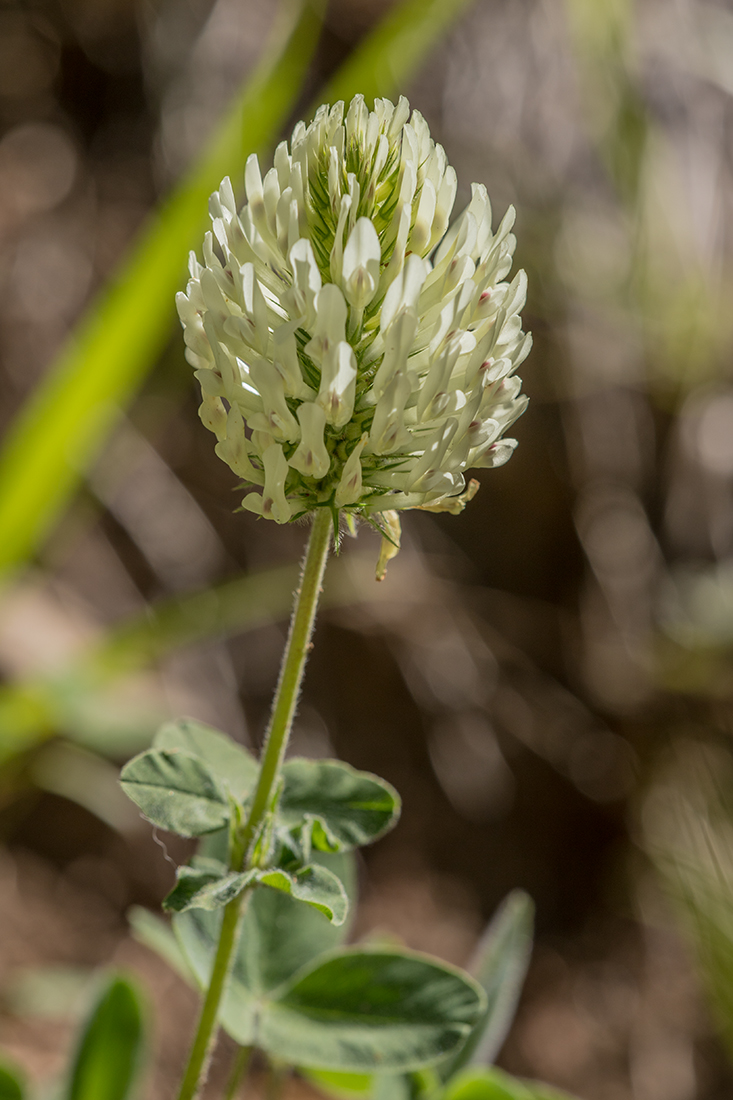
<point x="526" y="668"/>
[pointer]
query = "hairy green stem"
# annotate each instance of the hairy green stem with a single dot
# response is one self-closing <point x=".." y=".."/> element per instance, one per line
<point x="239" y="1069"/>
<point x="273" y="751"/>
<point x="291" y="674"/>
<point x="198" y="1061"/>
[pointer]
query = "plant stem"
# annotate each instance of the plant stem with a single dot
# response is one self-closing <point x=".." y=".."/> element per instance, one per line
<point x="239" y="1069"/>
<point x="198" y="1060"/>
<point x="277" y="1075"/>
<point x="291" y="673"/>
<point x="276" y="739"/>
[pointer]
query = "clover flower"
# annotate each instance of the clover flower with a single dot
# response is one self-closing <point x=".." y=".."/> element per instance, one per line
<point x="353" y="350"/>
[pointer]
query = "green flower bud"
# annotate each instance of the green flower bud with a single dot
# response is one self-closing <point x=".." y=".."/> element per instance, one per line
<point x="353" y="350"/>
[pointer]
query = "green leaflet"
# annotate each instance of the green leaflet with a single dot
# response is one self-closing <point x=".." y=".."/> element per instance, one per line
<point x="176" y="791"/>
<point x="109" y="1051"/>
<point x="10" y="1086"/>
<point x="500" y="965"/>
<point x="368" y="1010"/>
<point x="207" y="884"/>
<point x="314" y="885"/>
<point x="344" y="1086"/>
<point x="232" y="765"/>
<point x="343" y="808"/>
<point x="364" y="1086"/>
<point x="493" y="1084"/>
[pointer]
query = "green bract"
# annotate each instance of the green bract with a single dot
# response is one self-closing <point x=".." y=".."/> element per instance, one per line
<point x="352" y="350"/>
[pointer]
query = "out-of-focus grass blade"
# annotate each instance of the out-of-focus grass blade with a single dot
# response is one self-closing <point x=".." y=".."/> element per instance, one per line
<point x="236" y="605"/>
<point x="40" y="706"/>
<point x="687" y="830"/>
<point x="603" y="42"/>
<point x="109" y="1052"/>
<point x="65" y="423"/>
<point x="390" y="55"/>
<point x="62" y="427"/>
<point x="10" y="1086"/>
<point x="499" y="965"/>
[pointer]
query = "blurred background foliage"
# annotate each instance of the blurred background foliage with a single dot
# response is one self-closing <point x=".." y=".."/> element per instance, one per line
<point x="547" y="678"/>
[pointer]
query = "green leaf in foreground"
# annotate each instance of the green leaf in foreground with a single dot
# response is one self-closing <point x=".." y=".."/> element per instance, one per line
<point x="176" y="791"/>
<point x="494" y="1084"/>
<point x="344" y="1086"/>
<point x="10" y="1084"/>
<point x="370" y="1010"/>
<point x="364" y="1086"/>
<point x="499" y="965"/>
<point x="109" y="1051"/>
<point x="315" y="886"/>
<point x="232" y="765"/>
<point x="344" y="808"/>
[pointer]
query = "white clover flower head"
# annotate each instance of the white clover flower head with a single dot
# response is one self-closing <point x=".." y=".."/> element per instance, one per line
<point x="353" y="350"/>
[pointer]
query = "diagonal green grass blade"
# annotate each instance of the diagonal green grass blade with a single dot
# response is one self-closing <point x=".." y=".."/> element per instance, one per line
<point x="61" y="429"/>
<point x="57" y="436"/>
<point x="38" y="707"/>
<point x="394" y="51"/>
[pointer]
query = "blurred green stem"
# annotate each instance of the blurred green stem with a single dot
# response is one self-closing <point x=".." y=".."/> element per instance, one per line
<point x="273" y="751"/>
<point x="239" y="1070"/>
<point x="277" y="1075"/>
